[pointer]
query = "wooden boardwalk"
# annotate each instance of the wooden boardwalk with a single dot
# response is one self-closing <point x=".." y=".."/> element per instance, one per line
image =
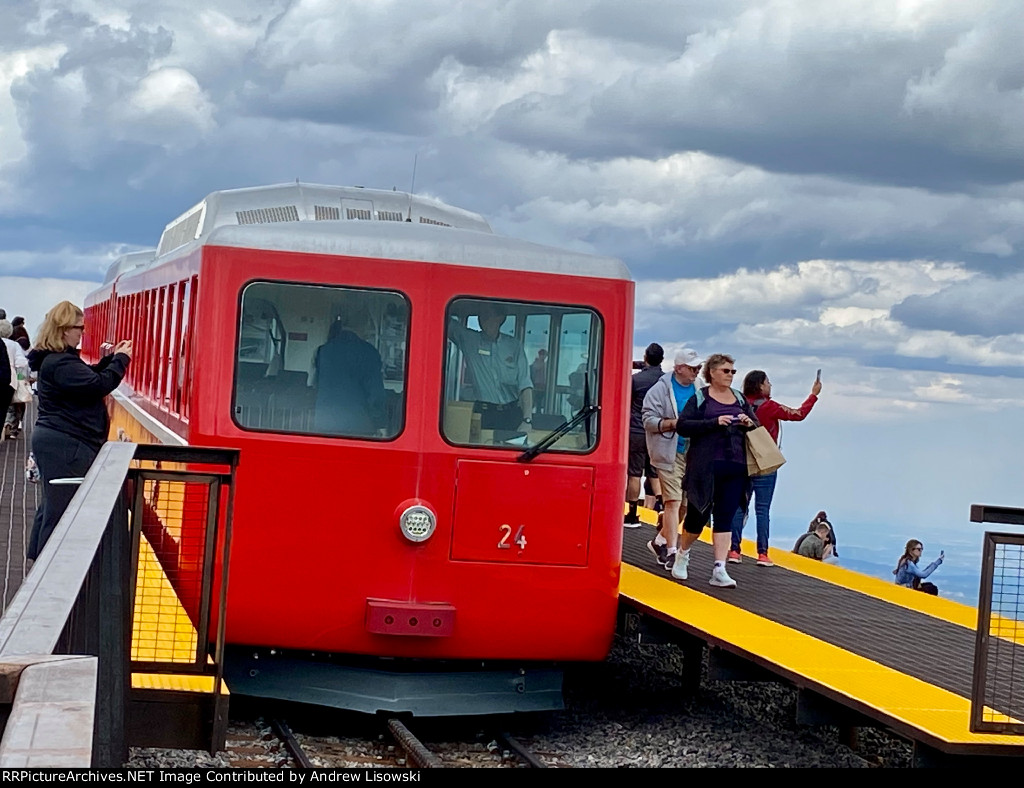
<point x="18" y="501"/>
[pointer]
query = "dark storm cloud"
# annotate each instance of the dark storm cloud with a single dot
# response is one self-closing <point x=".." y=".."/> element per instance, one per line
<point x="17" y="15"/>
<point x="374" y="67"/>
<point x="986" y="306"/>
<point x="597" y="100"/>
<point x="935" y="105"/>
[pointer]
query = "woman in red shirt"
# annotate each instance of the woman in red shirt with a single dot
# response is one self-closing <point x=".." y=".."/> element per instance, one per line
<point x="758" y="391"/>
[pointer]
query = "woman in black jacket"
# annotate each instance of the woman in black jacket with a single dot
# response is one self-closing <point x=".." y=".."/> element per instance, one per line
<point x="72" y="422"/>
<point x="715" y="420"/>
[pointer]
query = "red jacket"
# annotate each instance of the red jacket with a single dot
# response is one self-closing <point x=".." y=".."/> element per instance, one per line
<point x="770" y="413"/>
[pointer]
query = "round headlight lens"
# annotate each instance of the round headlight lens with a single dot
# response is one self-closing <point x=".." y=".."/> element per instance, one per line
<point x="417" y="523"/>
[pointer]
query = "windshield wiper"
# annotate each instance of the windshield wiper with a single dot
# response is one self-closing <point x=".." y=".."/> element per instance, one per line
<point x="552" y="437"/>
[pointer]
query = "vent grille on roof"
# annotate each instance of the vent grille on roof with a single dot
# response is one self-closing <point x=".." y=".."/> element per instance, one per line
<point x="390" y="216"/>
<point x="282" y="213"/>
<point x="322" y="212"/>
<point x="181" y="233"/>
<point x="358" y="213"/>
<point x="425" y="220"/>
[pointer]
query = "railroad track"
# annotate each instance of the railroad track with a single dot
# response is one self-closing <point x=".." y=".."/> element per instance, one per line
<point x="273" y="744"/>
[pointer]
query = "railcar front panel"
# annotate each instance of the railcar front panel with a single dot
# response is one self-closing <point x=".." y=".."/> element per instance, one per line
<point x="318" y="501"/>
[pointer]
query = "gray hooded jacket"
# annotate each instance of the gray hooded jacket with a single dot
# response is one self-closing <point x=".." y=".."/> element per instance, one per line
<point x="660" y="403"/>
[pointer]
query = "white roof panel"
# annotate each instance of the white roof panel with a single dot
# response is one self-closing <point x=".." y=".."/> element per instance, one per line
<point x="405" y="241"/>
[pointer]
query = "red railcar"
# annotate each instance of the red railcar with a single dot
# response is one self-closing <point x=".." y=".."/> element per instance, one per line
<point x="475" y="559"/>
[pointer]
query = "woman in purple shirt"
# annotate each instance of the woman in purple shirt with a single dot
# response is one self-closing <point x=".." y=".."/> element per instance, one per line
<point x="715" y="420"/>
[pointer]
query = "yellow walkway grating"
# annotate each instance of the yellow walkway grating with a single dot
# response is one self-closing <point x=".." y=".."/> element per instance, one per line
<point x="162" y="630"/>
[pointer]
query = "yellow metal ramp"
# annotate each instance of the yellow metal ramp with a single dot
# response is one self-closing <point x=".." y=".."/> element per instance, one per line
<point x="897" y="657"/>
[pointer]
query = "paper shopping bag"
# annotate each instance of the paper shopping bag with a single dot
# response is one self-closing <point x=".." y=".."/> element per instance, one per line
<point x="763" y="455"/>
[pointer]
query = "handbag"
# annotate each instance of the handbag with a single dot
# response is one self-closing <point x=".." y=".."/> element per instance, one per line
<point x="23" y="393"/>
<point x="31" y="469"/>
<point x="763" y="455"/>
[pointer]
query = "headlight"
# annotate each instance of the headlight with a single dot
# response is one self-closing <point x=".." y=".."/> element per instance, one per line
<point x="417" y="523"/>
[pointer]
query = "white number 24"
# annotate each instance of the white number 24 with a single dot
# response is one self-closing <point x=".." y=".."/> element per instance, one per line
<point x="506" y="534"/>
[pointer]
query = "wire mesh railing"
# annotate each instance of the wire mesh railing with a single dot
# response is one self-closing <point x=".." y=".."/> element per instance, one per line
<point x="135" y="575"/>
<point x="997" y="695"/>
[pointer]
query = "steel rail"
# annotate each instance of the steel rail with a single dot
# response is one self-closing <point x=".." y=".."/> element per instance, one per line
<point x="284" y="733"/>
<point x="418" y="754"/>
<point x="509" y="743"/>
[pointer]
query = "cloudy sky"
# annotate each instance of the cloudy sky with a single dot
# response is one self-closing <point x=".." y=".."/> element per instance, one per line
<point x="802" y="184"/>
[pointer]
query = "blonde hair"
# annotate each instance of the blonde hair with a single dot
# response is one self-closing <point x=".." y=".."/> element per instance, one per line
<point x="6" y="329"/>
<point x="57" y="321"/>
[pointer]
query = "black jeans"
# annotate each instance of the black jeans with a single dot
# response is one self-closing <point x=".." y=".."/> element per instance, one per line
<point x="58" y="456"/>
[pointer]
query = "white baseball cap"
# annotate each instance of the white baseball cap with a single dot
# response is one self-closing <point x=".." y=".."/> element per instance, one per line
<point x="688" y="357"/>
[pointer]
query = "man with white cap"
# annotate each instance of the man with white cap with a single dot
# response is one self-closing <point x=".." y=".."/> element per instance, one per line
<point x="661" y="408"/>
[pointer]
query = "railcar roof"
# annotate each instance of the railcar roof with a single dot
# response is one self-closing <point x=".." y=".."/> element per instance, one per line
<point x="360" y="222"/>
<point x="286" y="203"/>
<point x="418" y="243"/>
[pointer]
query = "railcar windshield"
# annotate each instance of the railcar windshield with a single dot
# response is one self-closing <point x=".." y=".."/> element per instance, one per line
<point x="514" y="371"/>
<point x="321" y="360"/>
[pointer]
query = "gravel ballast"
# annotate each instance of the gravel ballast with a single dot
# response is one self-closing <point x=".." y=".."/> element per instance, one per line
<point x="632" y="710"/>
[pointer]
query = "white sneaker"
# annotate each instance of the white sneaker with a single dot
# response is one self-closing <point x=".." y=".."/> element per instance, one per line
<point x="680" y="566"/>
<point x="720" y="578"/>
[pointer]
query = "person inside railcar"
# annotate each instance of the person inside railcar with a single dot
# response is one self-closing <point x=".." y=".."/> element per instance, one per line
<point x="18" y="364"/>
<point x="715" y="419"/>
<point x="497" y="365"/>
<point x="539" y="377"/>
<point x="72" y="422"/>
<point x="350" y="394"/>
<point x="909" y="574"/>
<point x="758" y="391"/>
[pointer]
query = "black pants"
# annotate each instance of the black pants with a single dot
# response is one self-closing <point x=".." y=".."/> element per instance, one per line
<point x="730" y="484"/>
<point x="6" y="392"/>
<point x="499" y="417"/>
<point x="58" y="456"/>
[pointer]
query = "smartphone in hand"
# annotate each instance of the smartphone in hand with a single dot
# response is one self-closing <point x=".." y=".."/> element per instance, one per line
<point x="818" y="376"/>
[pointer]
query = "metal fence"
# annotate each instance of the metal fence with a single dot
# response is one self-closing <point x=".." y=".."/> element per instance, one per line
<point x="72" y="619"/>
<point x="997" y="697"/>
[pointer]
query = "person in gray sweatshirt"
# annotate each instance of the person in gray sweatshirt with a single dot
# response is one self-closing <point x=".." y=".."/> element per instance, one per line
<point x="662" y="405"/>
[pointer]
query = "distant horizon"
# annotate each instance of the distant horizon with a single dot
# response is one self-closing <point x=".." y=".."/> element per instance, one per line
<point x="874" y="548"/>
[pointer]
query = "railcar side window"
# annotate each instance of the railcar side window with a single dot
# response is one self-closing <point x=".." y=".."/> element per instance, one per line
<point x="514" y="371"/>
<point x="321" y="360"/>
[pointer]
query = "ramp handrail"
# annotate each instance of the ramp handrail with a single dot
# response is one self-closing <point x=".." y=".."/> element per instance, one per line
<point x="70" y="623"/>
<point x="997" y="693"/>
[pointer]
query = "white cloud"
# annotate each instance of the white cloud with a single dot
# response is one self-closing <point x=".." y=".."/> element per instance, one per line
<point x="166" y="101"/>
<point x="840" y="293"/>
<point x="15" y="65"/>
<point x="946" y="388"/>
<point x="32" y="297"/>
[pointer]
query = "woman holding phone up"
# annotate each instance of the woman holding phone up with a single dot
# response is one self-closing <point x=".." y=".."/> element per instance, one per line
<point x="910" y="575"/>
<point x="758" y="390"/>
<point x="72" y="421"/>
